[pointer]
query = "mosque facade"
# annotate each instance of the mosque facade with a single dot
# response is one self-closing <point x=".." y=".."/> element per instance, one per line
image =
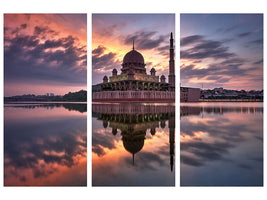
<point x="134" y="84"/>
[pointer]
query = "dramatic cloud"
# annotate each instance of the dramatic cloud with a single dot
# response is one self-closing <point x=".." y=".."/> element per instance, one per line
<point x="42" y="54"/>
<point x="144" y="40"/>
<point x="103" y="61"/>
<point x="204" y="49"/>
<point x="221" y="57"/>
<point x="43" y="30"/>
<point x="27" y="58"/>
<point x="244" y="34"/>
<point x="191" y="39"/>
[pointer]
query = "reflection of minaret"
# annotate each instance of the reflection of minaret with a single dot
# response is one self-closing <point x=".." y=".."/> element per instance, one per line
<point x="171" y="64"/>
<point x="172" y="139"/>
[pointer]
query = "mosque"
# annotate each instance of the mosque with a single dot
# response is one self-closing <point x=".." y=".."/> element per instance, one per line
<point x="134" y="84"/>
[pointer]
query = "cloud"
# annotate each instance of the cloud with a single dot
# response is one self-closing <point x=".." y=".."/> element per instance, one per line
<point x="231" y="28"/>
<point x="17" y="29"/>
<point x="226" y="30"/>
<point x="103" y="61"/>
<point x="164" y="50"/>
<point x="258" y="62"/>
<point x="256" y="42"/>
<point x="205" y="49"/>
<point x="190" y="161"/>
<point x="144" y="40"/>
<point x="31" y="58"/>
<point x="108" y="30"/>
<point x="191" y="39"/>
<point x="225" y="67"/>
<point x="241" y="35"/>
<point x="43" y="30"/>
<point x="23" y="26"/>
<point x="99" y="50"/>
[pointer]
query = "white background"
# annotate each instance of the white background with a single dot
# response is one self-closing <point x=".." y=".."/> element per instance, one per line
<point x="126" y="6"/>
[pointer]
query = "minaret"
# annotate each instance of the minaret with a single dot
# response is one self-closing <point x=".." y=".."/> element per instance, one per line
<point x="171" y="64"/>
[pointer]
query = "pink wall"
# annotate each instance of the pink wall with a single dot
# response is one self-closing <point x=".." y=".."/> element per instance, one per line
<point x="134" y="96"/>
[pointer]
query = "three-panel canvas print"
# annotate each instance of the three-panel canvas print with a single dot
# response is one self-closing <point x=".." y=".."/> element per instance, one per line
<point x="134" y="93"/>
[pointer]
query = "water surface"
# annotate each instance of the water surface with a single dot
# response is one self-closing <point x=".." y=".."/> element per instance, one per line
<point x="45" y="144"/>
<point x="133" y="144"/>
<point x="221" y="144"/>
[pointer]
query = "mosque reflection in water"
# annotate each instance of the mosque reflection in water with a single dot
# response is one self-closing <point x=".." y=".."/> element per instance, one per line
<point x="221" y="144"/>
<point x="138" y="139"/>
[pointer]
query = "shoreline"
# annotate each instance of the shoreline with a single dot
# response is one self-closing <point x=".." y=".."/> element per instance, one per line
<point x="45" y="102"/>
<point x="229" y="100"/>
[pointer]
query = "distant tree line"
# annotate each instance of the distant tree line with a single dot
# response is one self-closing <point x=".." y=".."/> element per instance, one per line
<point x="80" y="96"/>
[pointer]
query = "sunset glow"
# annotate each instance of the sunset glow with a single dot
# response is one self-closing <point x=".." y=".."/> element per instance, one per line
<point x="44" y="53"/>
<point x="113" y="35"/>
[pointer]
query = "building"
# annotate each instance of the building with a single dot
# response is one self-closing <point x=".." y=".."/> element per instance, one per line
<point x="134" y="84"/>
<point x="188" y="94"/>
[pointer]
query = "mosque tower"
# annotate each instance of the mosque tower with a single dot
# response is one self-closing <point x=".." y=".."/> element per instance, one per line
<point x="171" y="64"/>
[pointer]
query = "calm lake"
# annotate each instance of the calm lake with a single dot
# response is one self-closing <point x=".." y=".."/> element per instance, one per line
<point x="133" y="144"/>
<point x="221" y="144"/>
<point x="45" y="144"/>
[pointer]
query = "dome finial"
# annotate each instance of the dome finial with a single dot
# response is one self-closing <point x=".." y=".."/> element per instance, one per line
<point x="133" y="44"/>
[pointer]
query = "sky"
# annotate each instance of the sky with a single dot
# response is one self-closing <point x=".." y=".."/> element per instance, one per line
<point x="221" y="50"/>
<point x="113" y="35"/>
<point x="44" y="53"/>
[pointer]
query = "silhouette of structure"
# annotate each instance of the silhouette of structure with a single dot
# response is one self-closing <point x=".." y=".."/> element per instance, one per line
<point x="134" y="84"/>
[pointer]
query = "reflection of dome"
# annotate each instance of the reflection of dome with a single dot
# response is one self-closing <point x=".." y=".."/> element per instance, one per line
<point x="133" y="57"/>
<point x="133" y="143"/>
<point x="133" y="146"/>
